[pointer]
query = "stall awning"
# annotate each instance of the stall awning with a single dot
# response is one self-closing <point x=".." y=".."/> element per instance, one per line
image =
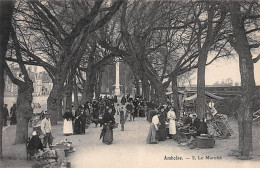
<point x="209" y="95"/>
<point x="170" y="92"/>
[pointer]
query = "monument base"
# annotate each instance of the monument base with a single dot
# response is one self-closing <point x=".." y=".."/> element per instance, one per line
<point x="117" y="91"/>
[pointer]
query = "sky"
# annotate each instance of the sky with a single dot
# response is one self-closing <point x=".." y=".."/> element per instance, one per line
<point x="219" y="70"/>
<point x="222" y="69"/>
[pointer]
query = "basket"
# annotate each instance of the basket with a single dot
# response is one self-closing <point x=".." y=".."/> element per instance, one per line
<point x="204" y="142"/>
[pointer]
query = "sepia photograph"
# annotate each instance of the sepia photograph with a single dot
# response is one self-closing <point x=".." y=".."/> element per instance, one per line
<point x="129" y="84"/>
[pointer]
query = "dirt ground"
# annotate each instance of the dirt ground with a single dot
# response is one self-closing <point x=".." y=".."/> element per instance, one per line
<point x="129" y="149"/>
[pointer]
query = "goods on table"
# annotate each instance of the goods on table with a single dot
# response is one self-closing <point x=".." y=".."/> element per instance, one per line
<point x="55" y="157"/>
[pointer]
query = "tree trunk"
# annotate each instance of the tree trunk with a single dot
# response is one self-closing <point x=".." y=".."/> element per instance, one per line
<point x="152" y="94"/>
<point x="24" y="112"/>
<point x="201" y="100"/>
<point x="6" y="11"/>
<point x="98" y="85"/>
<point x="76" y="97"/>
<point x="160" y="95"/>
<point x="246" y="67"/>
<point x="89" y="87"/>
<point x="137" y="86"/>
<point x="69" y="93"/>
<point x="175" y="95"/>
<point x="54" y="101"/>
<point x="145" y="89"/>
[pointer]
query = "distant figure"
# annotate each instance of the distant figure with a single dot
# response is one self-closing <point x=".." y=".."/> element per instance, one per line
<point x="112" y="106"/>
<point x="68" y="126"/>
<point x="95" y="109"/>
<point x="5" y="114"/>
<point x="142" y="109"/>
<point x="35" y="144"/>
<point x="130" y="110"/>
<point x="136" y="107"/>
<point x="102" y="106"/>
<point x="122" y="118"/>
<point x="115" y="99"/>
<point x="46" y="130"/>
<point x="123" y="100"/>
<point x="13" y="115"/>
<point x="127" y="97"/>
<point x="87" y="107"/>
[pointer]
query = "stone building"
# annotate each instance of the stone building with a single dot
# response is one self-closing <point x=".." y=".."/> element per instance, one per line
<point x="42" y="83"/>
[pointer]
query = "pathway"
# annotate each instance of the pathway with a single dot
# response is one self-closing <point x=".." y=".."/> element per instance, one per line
<point x="129" y="149"/>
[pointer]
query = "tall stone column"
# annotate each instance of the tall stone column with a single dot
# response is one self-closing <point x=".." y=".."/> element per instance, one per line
<point x="117" y="86"/>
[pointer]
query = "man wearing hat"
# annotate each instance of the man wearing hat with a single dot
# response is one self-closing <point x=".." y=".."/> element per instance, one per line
<point x="46" y="130"/>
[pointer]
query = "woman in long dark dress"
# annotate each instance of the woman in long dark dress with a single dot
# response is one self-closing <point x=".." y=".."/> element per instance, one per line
<point x="162" y="135"/>
<point x="13" y="114"/>
<point x="77" y="122"/>
<point x="141" y="109"/>
<point x="95" y="110"/>
<point x="109" y="121"/>
<point x="83" y="118"/>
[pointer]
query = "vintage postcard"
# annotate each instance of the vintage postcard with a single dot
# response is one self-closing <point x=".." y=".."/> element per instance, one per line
<point x="129" y="84"/>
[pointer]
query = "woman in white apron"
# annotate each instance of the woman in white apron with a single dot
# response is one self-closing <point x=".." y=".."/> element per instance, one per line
<point x="68" y="126"/>
<point x="172" y="126"/>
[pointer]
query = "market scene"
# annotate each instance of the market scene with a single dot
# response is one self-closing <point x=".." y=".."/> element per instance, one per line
<point x="129" y="84"/>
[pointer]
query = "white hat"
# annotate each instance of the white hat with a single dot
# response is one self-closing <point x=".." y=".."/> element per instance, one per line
<point x="34" y="133"/>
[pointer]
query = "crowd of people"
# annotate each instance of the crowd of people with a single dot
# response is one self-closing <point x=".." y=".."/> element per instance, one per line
<point x="164" y="123"/>
<point x="162" y="119"/>
<point x="102" y="111"/>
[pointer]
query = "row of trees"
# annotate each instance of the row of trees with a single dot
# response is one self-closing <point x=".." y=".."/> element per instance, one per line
<point x="159" y="40"/>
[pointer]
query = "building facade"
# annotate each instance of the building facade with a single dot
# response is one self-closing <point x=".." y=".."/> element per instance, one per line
<point x="42" y="83"/>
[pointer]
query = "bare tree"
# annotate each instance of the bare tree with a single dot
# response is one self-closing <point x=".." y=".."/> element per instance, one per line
<point x="242" y="14"/>
<point x="6" y="12"/>
<point x="66" y="39"/>
<point x="216" y="15"/>
<point x="24" y="99"/>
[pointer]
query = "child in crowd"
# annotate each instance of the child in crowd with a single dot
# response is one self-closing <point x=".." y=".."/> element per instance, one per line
<point x="122" y="118"/>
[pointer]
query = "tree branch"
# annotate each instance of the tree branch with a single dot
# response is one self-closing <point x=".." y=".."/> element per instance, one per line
<point x="11" y="75"/>
<point x="252" y="30"/>
<point x="47" y="22"/>
<point x="60" y="29"/>
<point x="255" y="60"/>
<point x="19" y="57"/>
